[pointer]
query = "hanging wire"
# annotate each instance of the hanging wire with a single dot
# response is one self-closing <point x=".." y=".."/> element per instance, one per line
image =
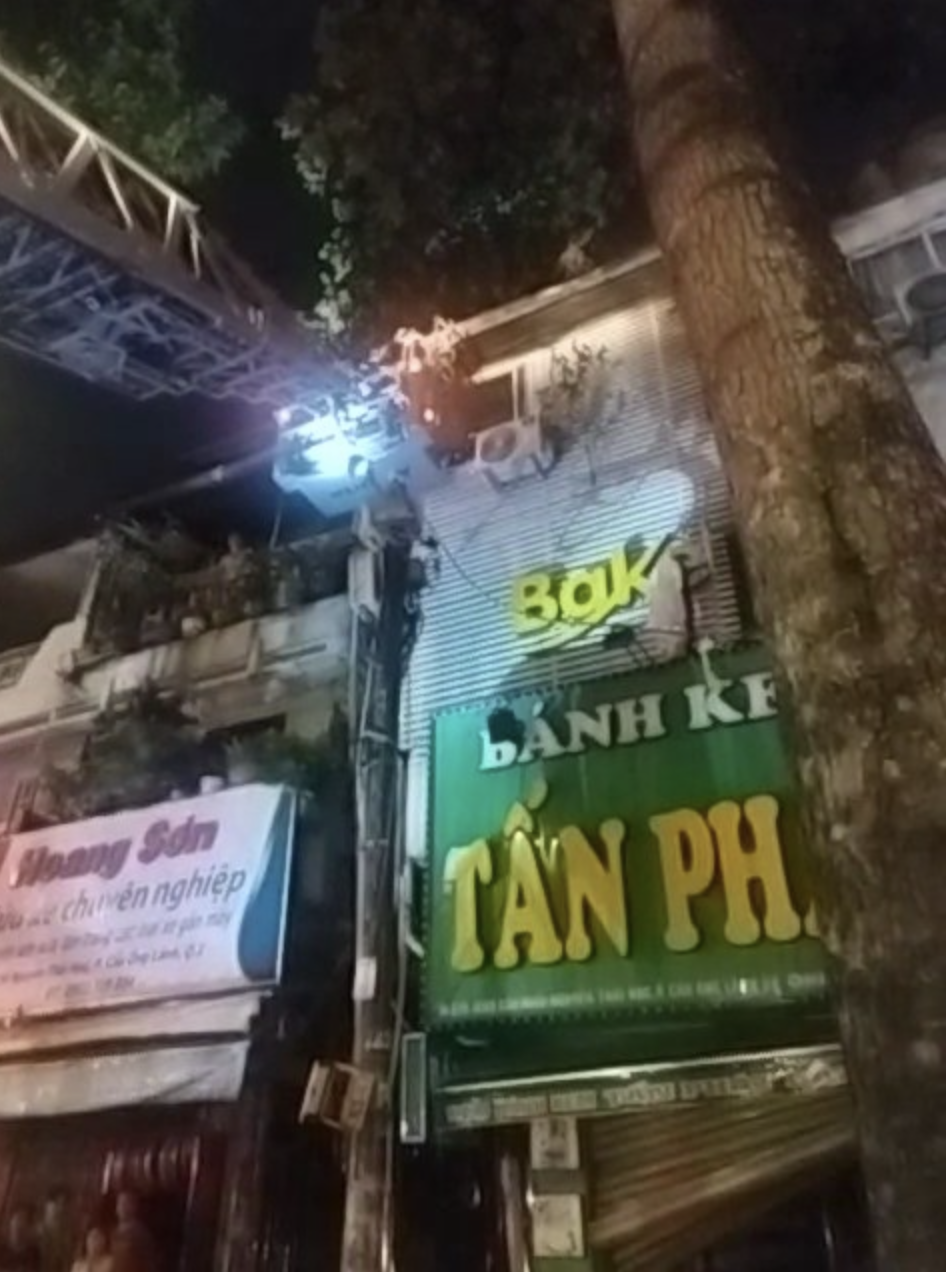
<point x="277" y="520"/>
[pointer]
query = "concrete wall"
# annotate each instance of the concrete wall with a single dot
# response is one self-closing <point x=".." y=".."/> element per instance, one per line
<point x="293" y="665"/>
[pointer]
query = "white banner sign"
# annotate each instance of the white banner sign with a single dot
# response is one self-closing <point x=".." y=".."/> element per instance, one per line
<point x="176" y="899"/>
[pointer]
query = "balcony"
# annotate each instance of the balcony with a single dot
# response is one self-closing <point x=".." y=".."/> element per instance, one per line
<point x="204" y="884"/>
<point x="168" y="610"/>
<point x="160" y="589"/>
<point x="195" y="619"/>
<point x="146" y="759"/>
<point x="147" y="748"/>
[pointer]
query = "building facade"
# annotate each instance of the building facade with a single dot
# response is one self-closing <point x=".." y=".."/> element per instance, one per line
<point x="175" y="884"/>
<point x="622" y="990"/>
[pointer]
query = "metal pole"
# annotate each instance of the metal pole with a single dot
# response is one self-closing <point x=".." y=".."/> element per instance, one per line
<point x="380" y="653"/>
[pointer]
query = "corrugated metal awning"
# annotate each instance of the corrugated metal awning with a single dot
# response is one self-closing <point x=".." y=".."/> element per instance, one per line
<point x="668" y="1184"/>
<point x="85" y="1084"/>
<point x="223" y="1015"/>
<point x="180" y="1052"/>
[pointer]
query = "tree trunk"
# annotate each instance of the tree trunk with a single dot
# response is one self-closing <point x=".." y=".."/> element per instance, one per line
<point x="841" y="501"/>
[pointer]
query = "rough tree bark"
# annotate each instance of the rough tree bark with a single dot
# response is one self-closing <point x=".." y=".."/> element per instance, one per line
<point x="841" y="501"/>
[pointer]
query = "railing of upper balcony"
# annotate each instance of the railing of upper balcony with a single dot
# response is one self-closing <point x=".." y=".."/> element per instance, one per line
<point x="142" y="601"/>
<point x="147" y="748"/>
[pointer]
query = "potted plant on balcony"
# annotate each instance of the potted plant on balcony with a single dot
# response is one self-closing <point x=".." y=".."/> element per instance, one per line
<point x="317" y="770"/>
<point x="132" y="586"/>
<point x="158" y="627"/>
<point x="281" y="759"/>
<point x="141" y="750"/>
<point x="288" y="581"/>
<point x="247" y="577"/>
<point x="193" y="622"/>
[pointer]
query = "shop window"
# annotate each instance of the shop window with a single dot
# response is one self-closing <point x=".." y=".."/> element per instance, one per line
<point x="149" y="1194"/>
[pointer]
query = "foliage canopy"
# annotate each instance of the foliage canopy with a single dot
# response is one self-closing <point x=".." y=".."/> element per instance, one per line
<point x="463" y="148"/>
<point x="455" y="155"/>
<point x="128" y="67"/>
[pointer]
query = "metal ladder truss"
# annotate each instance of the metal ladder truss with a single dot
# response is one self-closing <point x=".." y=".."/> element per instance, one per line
<point x="111" y="273"/>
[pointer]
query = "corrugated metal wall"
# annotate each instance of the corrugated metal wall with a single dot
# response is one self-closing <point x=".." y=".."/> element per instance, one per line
<point x="649" y="469"/>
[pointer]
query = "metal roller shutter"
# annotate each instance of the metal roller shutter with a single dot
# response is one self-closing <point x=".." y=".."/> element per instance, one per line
<point x="667" y="1184"/>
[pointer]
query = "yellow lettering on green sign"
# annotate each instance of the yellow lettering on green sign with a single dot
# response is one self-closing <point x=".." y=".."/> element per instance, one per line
<point x="733" y="849"/>
<point x="762" y="864"/>
<point x="691" y="847"/>
<point x="465" y="868"/>
<point x="689" y="864"/>
<point x="581" y="598"/>
<point x="527" y="912"/>
<point x="592" y="885"/>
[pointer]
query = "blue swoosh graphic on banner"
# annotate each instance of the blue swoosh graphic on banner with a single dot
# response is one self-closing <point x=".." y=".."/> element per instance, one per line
<point x="261" y="928"/>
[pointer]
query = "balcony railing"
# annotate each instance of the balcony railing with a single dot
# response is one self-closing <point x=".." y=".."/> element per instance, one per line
<point x="142" y="602"/>
<point x="148" y="749"/>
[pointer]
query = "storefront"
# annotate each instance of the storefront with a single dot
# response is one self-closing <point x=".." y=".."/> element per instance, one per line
<point x="139" y="955"/>
<point x="623" y="980"/>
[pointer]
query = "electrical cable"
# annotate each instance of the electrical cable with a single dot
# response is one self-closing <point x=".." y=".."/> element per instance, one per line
<point x="277" y="520"/>
<point x="216" y="477"/>
<point x="385" y="653"/>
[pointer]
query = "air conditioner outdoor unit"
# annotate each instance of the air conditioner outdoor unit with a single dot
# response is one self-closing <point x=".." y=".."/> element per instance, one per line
<point x="925" y="304"/>
<point x="507" y="453"/>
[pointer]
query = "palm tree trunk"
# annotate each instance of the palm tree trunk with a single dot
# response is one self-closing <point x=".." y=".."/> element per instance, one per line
<point x="841" y="502"/>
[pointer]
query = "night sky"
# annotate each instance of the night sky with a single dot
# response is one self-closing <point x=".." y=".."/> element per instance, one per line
<point x="851" y="77"/>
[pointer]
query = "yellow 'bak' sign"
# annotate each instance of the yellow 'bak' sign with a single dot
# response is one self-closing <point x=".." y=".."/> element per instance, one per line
<point x="564" y="605"/>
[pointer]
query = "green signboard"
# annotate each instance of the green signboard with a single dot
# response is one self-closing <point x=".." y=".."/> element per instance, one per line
<point x="755" y="1075"/>
<point x="625" y="846"/>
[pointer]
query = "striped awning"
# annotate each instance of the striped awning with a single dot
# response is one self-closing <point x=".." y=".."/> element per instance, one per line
<point x="668" y="1184"/>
